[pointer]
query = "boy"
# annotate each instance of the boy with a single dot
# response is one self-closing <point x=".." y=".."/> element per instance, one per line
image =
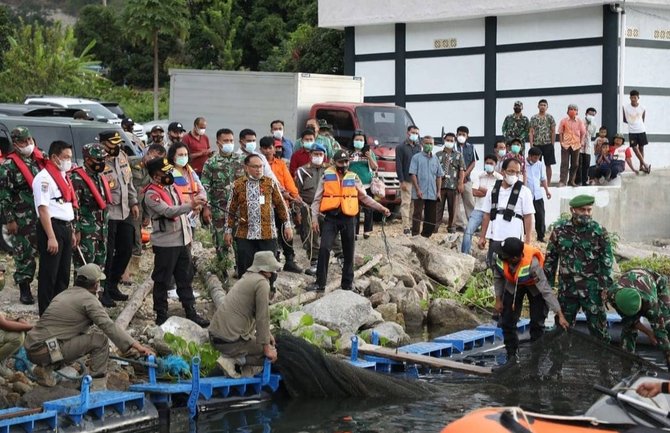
<point x="537" y="180"/>
<point x="500" y="149"/>
<point x="602" y="171"/>
<point x="602" y="138"/>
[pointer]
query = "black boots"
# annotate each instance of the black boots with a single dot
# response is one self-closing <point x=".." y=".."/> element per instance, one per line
<point x="291" y="266"/>
<point x="193" y="316"/>
<point x="26" y="297"/>
<point x="111" y="294"/>
<point x="161" y="317"/>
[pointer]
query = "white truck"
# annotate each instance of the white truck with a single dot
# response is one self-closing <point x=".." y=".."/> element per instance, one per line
<point x="237" y="100"/>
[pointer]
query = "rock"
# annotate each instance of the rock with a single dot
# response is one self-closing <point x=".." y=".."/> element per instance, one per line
<point x="161" y="347"/>
<point x="341" y="310"/>
<point x="13" y="398"/>
<point x="380" y="298"/>
<point x="3" y="381"/>
<point x="403" y="276"/>
<point x="21" y="387"/>
<point x="376" y="286"/>
<point x="374" y="319"/>
<point x="401" y="293"/>
<point x="118" y="381"/>
<point x="448" y="313"/>
<point x="19" y="377"/>
<point x="453" y="241"/>
<point x="385" y="272"/>
<point x="318" y="335"/>
<point x="422" y="290"/>
<point x="390" y="331"/>
<point x="388" y="311"/>
<point x="362" y="284"/>
<point x="184" y="328"/>
<point x="412" y="314"/>
<point x="344" y="342"/>
<point x="447" y="267"/>
<point x="292" y="321"/>
<point x="40" y="394"/>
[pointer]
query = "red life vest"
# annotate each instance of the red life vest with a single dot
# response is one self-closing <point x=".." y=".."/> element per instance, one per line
<point x="162" y="193"/>
<point x="102" y="202"/>
<point x="64" y="184"/>
<point x="23" y="168"/>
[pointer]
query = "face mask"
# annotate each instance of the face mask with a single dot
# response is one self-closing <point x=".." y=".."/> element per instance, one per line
<point x="167" y="179"/>
<point x="358" y="144"/>
<point x="572" y="113"/>
<point x="511" y="180"/>
<point x="414" y="137"/>
<point x="278" y="154"/>
<point x="461" y="139"/>
<point x="502" y="152"/>
<point x="250" y="146"/>
<point x="342" y="169"/>
<point x="517" y="110"/>
<point x="427" y="148"/>
<point x="581" y="219"/>
<point x="449" y="144"/>
<point x="515" y="148"/>
<point x="201" y="131"/>
<point x="589" y="117"/>
<point x="65" y="165"/>
<point x="97" y="166"/>
<point x="307" y="144"/>
<point x="26" y="151"/>
<point x="278" y="134"/>
<point x="317" y="160"/>
<point x="488" y="168"/>
<point x="227" y="147"/>
<point x="113" y="151"/>
<point x="181" y="160"/>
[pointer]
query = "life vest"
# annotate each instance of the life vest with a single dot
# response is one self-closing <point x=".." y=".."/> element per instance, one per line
<point x="339" y="195"/>
<point x="509" y="212"/>
<point x="162" y="193"/>
<point x="185" y="185"/>
<point x="97" y="196"/>
<point x="64" y="184"/>
<point x="522" y="275"/>
<point x="23" y="168"/>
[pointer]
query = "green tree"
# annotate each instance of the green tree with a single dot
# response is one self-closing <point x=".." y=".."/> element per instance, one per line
<point x="100" y="24"/>
<point x="43" y="60"/>
<point x="149" y="19"/>
<point x="212" y="46"/>
<point x="7" y="30"/>
<point x="308" y="49"/>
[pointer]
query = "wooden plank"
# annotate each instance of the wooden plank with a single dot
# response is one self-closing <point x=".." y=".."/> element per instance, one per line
<point x="428" y="361"/>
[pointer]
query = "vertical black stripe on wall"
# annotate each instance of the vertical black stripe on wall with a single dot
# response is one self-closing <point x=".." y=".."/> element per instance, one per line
<point x="349" y="51"/>
<point x="400" y="70"/>
<point x="609" y="111"/>
<point x="490" y="83"/>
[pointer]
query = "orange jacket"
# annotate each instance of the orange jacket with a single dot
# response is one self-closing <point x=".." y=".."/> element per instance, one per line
<point x="283" y="176"/>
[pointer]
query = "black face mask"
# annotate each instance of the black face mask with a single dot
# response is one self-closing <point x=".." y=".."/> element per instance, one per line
<point x="517" y="110"/>
<point x="167" y="179"/>
<point x="97" y="166"/>
<point x="113" y="150"/>
<point x="279" y="154"/>
<point x="341" y="170"/>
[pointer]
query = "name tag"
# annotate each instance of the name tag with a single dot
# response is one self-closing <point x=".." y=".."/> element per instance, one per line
<point x="261" y="200"/>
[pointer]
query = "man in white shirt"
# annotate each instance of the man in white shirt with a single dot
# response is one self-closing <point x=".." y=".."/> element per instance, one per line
<point x="536" y="182"/>
<point x="634" y="115"/>
<point x="511" y="210"/>
<point x="54" y="200"/>
<point x="481" y="185"/>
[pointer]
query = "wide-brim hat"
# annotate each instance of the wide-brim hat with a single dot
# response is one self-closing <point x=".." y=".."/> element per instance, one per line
<point x="265" y="261"/>
<point x="91" y="272"/>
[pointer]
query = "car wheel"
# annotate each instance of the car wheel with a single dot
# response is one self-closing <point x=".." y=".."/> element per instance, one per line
<point x="6" y="241"/>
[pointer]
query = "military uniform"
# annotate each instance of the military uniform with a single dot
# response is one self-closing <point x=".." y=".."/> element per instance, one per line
<point x="16" y="204"/>
<point x="140" y="180"/>
<point x="582" y="255"/>
<point x="516" y="127"/>
<point x="653" y="302"/>
<point x="218" y="175"/>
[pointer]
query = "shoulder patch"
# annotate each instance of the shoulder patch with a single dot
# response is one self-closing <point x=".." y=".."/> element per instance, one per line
<point x="45" y="187"/>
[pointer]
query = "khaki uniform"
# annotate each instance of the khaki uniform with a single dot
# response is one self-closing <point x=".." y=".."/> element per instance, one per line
<point x="241" y="326"/>
<point x="10" y="342"/>
<point x="69" y="318"/>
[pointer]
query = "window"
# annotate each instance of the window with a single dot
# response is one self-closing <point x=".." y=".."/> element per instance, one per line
<point x="342" y="122"/>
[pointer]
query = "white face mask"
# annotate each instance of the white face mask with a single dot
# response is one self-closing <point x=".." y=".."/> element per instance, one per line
<point x="201" y="131"/>
<point x="414" y="137"/>
<point x="489" y="168"/>
<point x="317" y="160"/>
<point x="26" y="151"/>
<point x="65" y="165"/>
<point x="461" y="139"/>
<point x="511" y="179"/>
<point x="250" y="146"/>
<point x="227" y="147"/>
<point x="589" y="117"/>
<point x="278" y="134"/>
<point x="449" y="144"/>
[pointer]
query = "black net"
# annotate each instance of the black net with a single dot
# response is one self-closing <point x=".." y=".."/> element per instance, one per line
<point x="309" y="372"/>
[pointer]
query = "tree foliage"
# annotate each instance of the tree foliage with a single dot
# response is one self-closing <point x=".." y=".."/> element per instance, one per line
<point x="212" y="46"/>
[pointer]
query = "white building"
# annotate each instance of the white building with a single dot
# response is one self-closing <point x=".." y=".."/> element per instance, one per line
<point x="464" y="62"/>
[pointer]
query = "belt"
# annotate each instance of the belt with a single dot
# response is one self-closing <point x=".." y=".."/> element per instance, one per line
<point x="41" y="350"/>
<point x="59" y="222"/>
<point x="217" y="340"/>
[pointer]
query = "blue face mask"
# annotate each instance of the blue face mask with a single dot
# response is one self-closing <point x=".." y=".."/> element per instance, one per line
<point x="515" y="148"/>
<point x="489" y="168"/>
<point x="358" y="144"/>
<point x="502" y="152"/>
<point x="307" y="144"/>
<point x="227" y="147"/>
<point x="181" y="160"/>
<point x="250" y="146"/>
<point x="414" y="137"/>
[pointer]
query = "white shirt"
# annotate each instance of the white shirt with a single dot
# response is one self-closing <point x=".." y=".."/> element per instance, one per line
<point x="46" y="193"/>
<point x="499" y="229"/>
<point x="634" y="118"/>
<point x="487" y="181"/>
<point x="536" y="175"/>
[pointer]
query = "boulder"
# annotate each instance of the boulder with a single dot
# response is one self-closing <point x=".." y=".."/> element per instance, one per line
<point x="422" y="290"/>
<point x="380" y="298"/>
<point x="362" y="284"/>
<point x="21" y="388"/>
<point x="388" y="311"/>
<point x="292" y="321"/>
<point x="341" y="310"/>
<point x="447" y="267"/>
<point x="376" y="285"/>
<point x="449" y="314"/>
<point x="374" y="319"/>
<point x="184" y="328"/>
<point x="406" y="278"/>
<point x="118" y="381"/>
<point x="388" y="331"/>
<point x="400" y="293"/>
<point x="412" y="313"/>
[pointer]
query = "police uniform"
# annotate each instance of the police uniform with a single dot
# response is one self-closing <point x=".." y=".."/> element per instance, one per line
<point x="54" y="269"/>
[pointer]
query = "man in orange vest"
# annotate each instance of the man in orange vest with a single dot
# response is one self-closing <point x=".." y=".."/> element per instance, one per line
<point x="337" y="198"/>
<point x="519" y="273"/>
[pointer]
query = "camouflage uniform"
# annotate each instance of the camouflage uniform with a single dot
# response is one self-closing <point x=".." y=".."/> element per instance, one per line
<point x="516" y="127"/>
<point x="655" y="295"/>
<point x="89" y="220"/>
<point x="17" y="205"/>
<point x="582" y="254"/>
<point x="218" y="175"/>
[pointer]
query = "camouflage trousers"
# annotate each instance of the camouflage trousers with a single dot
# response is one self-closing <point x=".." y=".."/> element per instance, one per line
<point x="218" y="233"/>
<point x="93" y="249"/>
<point x="592" y="304"/>
<point x="25" y="253"/>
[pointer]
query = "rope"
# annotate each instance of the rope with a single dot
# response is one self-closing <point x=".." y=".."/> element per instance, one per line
<point x="385" y="239"/>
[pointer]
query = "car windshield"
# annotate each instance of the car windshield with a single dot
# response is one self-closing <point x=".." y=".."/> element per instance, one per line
<point x="388" y="125"/>
<point x="96" y="110"/>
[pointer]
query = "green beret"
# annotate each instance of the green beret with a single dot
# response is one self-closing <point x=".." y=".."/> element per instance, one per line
<point x="628" y="301"/>
<point x="582" y="200"/>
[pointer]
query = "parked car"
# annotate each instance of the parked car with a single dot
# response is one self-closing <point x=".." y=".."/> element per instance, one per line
<point x="48" y="129"/>
<point x="116" y="108"/>
<point x="93" y="108"/>
<point x="37" y="111"/>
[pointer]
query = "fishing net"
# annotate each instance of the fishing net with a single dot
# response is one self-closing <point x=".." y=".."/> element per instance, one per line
<point x="309" y="372"/>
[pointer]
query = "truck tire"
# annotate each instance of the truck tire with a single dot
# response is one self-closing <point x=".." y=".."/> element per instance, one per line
<point x="6" y="241"/>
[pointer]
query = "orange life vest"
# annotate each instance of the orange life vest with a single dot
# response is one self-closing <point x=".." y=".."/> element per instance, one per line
<point x="185" y="185"/>
<point x="339" y="195"/>
<point x="522" y="276"/>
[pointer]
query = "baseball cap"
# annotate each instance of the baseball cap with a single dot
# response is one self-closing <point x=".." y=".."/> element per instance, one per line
<point x="91" y="272"/>
<point x="340" y="155"/>
<point x="128" y="122"/>
<point x="157" y="128"/>
<point x="176" y="127"/>
<point x="510" y="247"/>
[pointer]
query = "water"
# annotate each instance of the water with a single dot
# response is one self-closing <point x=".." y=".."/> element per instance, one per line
<point x="557" y="378"/>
